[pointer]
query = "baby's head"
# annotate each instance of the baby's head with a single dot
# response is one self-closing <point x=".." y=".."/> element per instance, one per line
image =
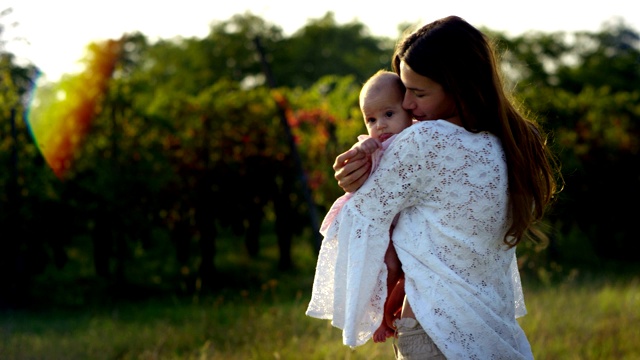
<point x="381" y="105"/>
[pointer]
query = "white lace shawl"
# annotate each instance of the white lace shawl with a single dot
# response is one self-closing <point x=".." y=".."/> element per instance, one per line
<point x="463" y="284"/>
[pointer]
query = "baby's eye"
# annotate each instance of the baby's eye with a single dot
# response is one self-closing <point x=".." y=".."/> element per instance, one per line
<point x="371" y="120"/>
<point x="389" y="113"/>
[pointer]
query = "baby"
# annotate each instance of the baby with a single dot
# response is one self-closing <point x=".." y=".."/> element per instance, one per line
<point x="381" y="105"/>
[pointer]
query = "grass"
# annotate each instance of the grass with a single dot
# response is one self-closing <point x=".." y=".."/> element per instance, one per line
<point x="583" y="316"/>
<point x="588" y="317"/>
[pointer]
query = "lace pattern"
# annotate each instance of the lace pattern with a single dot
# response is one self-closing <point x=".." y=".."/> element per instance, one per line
<point x="450" y="188"/>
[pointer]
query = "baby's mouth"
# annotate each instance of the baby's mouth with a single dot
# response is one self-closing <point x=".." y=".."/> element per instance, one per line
<point x="385" y="136"/>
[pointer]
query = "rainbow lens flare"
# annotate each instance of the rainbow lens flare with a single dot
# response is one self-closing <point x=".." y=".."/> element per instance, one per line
<point x="64" y="113"/>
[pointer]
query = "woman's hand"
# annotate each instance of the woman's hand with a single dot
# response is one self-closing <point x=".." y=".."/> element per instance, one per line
<point x="351" y="169"/>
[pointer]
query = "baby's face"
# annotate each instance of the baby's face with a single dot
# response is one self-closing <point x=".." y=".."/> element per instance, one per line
<point x="383" y="114"/>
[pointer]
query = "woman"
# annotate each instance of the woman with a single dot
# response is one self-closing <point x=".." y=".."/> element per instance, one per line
<point x="470" y="181"/>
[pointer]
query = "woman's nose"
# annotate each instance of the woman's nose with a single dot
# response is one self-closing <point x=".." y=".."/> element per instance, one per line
<point x="407" y="102"/>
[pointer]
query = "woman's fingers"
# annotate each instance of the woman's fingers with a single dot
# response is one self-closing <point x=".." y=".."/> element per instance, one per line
<point x="346" y="157"/>
<point x="353" y="174"/>
<point x="351" y="169"/>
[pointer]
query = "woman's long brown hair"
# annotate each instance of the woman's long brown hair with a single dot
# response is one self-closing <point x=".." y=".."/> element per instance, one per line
<point x="462" y="59"/>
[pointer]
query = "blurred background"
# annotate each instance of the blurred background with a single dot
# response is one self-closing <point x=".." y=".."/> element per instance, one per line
<point x="192" y="167"/>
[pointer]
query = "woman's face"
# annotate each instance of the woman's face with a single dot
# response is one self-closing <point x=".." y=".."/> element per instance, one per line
<point x="425" y="98"/>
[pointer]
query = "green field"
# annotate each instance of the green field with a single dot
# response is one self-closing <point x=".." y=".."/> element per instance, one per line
<point x="580" y="316"/>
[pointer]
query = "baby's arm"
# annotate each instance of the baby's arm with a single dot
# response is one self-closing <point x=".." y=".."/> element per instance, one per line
<point x="393" y="305"/>
<point x="395" y="276"/>
<point x="395" y="293"/>
<point x="395" y="296"/>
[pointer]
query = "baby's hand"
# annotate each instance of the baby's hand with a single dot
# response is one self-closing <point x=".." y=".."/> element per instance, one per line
<point x="369" y="146"/>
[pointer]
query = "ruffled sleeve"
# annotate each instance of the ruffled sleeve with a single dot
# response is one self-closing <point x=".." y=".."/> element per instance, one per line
<point x="518" y="295"/>
<point x="350" y="281"/>
<point x="339" y="203"/>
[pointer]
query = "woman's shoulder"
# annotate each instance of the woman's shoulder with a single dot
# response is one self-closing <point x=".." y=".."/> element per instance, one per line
<point x="440" y="124"/>
<point x="438" y="135"/>
<point x="429" y="128"/>
<point x="444" y="127"/>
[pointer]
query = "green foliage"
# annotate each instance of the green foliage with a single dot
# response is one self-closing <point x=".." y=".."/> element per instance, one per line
<point x="326" y="123"/>
<point x="22" y="183"/>
<point x="322" y="47"/>
<point x="189" y="142"/>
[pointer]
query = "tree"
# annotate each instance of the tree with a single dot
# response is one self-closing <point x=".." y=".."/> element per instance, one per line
<point x="583" y="87"/>
<point x="322" y="47"/>
<point x="24" y="250"/>
<point x="187" y="141"/>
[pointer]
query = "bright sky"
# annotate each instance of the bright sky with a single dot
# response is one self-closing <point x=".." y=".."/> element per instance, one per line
<point x="53" y="34"/>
